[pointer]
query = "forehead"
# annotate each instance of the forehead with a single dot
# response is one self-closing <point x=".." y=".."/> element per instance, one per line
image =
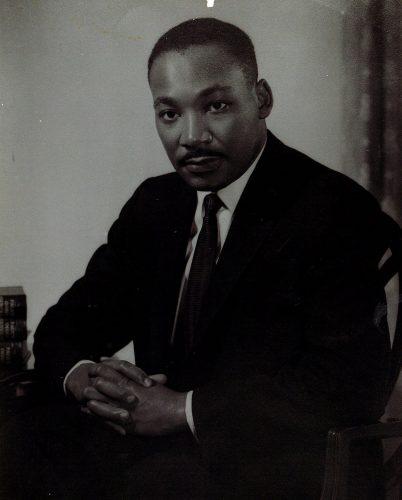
<point x="195" y="69"/>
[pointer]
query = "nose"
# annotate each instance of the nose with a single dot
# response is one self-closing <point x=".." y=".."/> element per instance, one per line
<point x="194" y="131"/>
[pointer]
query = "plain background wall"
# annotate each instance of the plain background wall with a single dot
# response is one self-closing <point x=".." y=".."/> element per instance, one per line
<point x="76" y="120"/>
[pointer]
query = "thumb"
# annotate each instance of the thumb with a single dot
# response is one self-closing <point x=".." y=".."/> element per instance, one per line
<point x="160" y="378"/>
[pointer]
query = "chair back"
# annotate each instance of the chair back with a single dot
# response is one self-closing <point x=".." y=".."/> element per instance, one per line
<point x="391" y="278"/>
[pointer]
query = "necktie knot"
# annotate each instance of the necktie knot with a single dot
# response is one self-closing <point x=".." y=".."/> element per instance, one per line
<point x="212" y="203"/>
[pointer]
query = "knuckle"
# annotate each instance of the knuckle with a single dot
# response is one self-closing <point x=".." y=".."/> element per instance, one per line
<point x="99" y="369"/>
<point x="92" y="405"/>
<point x="87" y="392"/>
<point x="120" y="393"/>
<point x="131" y="398"/>
<point x="98" y="382"/>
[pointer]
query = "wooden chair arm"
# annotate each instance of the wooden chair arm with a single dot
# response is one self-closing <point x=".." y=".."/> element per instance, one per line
<point x="393" y="470"/>
<point x="19" y="377"/>
<point x="338" y="452"/>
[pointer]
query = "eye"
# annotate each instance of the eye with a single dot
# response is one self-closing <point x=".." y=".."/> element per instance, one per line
<point x="168" y="115"/>
<point x="218" y="106"/>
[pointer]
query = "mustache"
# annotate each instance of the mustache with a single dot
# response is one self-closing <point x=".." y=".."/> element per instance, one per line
<point x="196" y="153"/>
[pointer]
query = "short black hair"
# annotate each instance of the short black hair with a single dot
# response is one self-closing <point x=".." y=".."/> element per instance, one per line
<point x="207" y="31"/>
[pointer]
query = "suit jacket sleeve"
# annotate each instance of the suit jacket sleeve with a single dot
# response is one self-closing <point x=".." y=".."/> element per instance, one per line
<point x="101" y="312"/>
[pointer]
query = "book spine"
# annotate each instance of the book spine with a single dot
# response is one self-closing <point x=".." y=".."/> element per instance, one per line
<point x="13" y="306"/>
<point x="12" y="353"/>
<point x="12" y="329"/>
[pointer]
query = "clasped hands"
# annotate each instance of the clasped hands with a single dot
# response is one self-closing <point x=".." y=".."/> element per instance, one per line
<point x="127" y="399"/>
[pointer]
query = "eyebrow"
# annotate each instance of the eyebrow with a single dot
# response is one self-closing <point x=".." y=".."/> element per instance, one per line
<point x="169" y="101"/>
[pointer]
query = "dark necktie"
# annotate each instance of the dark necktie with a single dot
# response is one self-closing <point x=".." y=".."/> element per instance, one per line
<point x="202" y="266"/>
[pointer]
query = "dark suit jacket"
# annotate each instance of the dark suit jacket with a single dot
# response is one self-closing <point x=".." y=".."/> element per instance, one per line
<point x="289" y="346"/>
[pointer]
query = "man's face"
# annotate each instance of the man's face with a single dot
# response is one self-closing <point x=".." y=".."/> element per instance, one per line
<point x="207" y="115"/>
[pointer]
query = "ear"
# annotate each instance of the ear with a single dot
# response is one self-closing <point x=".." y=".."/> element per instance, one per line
<point x="265" y="98"/>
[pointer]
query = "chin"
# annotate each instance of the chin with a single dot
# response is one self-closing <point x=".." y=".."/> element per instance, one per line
<point x="201" y="185"/>
<point x="202" y="182"/>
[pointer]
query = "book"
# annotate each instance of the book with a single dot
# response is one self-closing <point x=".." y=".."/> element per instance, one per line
<point x="13" y="353"/>
<point x="13" y="302"/>
<point x="13" y="329"/>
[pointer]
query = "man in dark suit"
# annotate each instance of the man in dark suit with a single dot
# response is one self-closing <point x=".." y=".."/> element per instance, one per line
<point x="243" y="361"/>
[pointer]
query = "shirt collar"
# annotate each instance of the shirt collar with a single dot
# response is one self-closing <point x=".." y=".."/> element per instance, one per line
<point x="230" y="194"/>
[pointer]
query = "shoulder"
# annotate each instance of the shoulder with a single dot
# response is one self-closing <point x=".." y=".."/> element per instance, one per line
<point x="322" y="188"/>
<point x="329" y="209"/>
<point x="163" y="185"/>
<point x="156" y="193"/>
<point x="327" y="183"/>
<point x="303" y="180"/>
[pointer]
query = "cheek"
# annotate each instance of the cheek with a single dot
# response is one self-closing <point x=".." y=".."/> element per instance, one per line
<point x="234" y="128"/>
<point x="167" y="137"/>
<point x="225" y="129"/>
<point x="245" y="132"/>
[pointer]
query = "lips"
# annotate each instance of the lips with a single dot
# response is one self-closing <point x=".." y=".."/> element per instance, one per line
<point x="202" y="163"/>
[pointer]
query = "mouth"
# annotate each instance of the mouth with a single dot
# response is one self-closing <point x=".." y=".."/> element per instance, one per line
<point x="201" y="164"/>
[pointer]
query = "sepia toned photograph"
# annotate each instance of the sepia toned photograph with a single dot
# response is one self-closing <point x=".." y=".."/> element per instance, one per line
<point x="201" y="250"/>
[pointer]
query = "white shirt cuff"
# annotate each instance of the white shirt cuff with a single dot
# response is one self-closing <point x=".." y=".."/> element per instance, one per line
<point x="71" y="371"/>
<point x="189" y="412"/>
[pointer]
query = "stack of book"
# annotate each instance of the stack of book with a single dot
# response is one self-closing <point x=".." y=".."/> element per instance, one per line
<point x="13" y="329"/>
